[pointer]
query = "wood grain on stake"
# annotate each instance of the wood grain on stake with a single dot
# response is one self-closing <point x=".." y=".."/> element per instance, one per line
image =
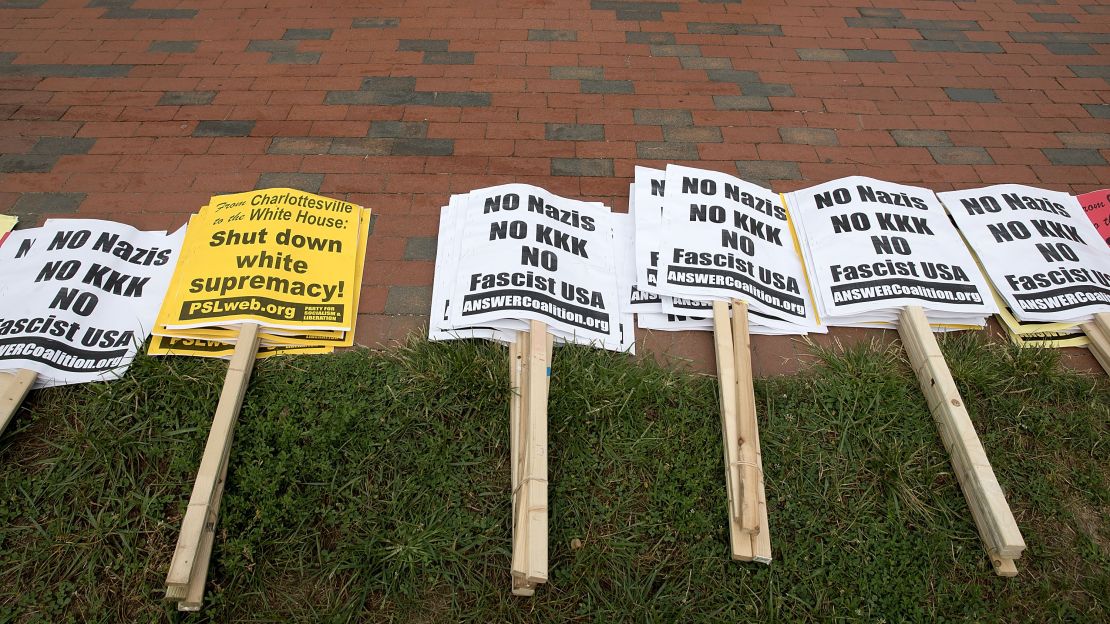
<point x="761" y="542"/>
<point x="190" y="559"/>
<point x="995" y="521"/>
<point x="194" y="594"/>
<point x="529" y="559"/>
<point x="740" y="542"/>
<point x="749" y="434"/>
<point x="14" y="387"/>
<point x="516" y="451"/>
<point x="745" y="414"/>
<point x="1098" y="332"/>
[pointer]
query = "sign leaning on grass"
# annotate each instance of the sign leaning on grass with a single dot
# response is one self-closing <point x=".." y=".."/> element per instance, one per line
<point x="77" y="299"/>
<point x="520" y="265"/>
<point x="265" y="256"/>
<point x="281" y="259"/>
<point x="883" y="253"/>
<point x="712" y="240"/>
<point x="525" y="254"/>
<point x="728" y="239"/>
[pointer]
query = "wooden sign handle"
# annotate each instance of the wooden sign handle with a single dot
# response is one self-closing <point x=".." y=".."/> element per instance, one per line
<point x="740" y="437"/>
<point x="745" y="414"/>
<point x="996" y="524"/>
<point x="189" y="566"/>
<point x="14" y="386"/>
<point x="528" y="426"/>
<point x="750" y="453"/>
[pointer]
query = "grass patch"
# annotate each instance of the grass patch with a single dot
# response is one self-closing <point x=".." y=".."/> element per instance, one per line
<point x="375" y="487"/>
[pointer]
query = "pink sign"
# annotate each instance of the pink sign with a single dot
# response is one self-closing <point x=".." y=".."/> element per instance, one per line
<point x="1097" y="206"/>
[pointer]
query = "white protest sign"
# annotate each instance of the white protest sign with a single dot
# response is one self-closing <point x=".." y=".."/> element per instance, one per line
<point x="621" y="236"/>
<point x="646" y="205"/>
<point x="872" y="246"/>
<point x="17" y="244"/>
<point x="672" y="322"/>
<point x="80" y="303"/>
<point x="681" y="306"/>
<point x="1041" y="252"/>
<point x="728" y="239"/>
<point x="638" y="300"/>
<point x="438" y="326"/>
<point x="524" y="253"/>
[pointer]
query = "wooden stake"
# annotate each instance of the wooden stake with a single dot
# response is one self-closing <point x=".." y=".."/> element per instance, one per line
<point x="761" y="542"/>
<point x="14" y="386"/>
<point x="740" y="543"/>
<point x="530" y="488"/>
<point x="1098" y="332"/>
<point x="517" y="364"/>
<point x="536" y="461"/>
<point x="194" y="596"/>
<point x="188" y="569"/>
<point x="749" y="430"/>
<point x="750" y="469"/>
<point x="993" y="518"/>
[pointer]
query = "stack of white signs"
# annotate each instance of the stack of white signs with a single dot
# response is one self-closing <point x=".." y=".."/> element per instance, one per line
<point x="702" y="236"/>
<point x="514" y="253"/>
<point x="78" y="297"/>
<point x="520" y="265"/>
<point x="1042" y="254"/>
<point x="874" y="247"/>
<point x="654" y="310"/>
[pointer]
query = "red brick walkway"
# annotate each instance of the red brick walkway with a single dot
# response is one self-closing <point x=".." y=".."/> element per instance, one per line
<point x="139" y="110"/>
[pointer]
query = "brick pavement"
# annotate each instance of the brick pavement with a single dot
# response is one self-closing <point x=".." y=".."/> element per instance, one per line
<point x="139" y="110"/>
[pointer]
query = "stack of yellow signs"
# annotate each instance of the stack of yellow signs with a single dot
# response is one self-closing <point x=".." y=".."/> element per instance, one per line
<point x="271" y="271"/>
<point x="1042" y="334"/>
<point x="287" y="260"/>
<point x="1038" y="334"/>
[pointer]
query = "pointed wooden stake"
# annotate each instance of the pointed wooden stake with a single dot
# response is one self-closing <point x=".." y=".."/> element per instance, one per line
<point x="14" y="387"/>
<point x="1098" y="332"/>
<point x="996" y="524"/>
<point x="189" y="567"/>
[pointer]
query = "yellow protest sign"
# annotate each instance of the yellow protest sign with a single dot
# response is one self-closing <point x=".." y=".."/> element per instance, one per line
<point x="268" y="338"/>
<point x="282" y="258"/>
<point x="165" y="345"/>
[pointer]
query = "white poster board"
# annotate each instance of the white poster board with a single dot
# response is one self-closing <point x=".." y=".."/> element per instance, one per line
<point x="439" y="327"/>
<point x="729" y="239"/>
<point x="872" y="247"/>
<point x="1040" y="250"/>
<point x="525" y="253"/>
<point x="76" y="306"/>
<point x="646" y="201"/>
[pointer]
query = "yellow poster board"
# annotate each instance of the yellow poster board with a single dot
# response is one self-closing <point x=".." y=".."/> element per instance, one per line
<point x="164" y="345"/>
<point x="274" y="338"/>
<point x="282" y="258"/>
<point x="7" y="224"/>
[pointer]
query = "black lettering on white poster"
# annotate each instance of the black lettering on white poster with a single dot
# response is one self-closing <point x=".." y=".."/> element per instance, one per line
<point x="1043" y="255"/>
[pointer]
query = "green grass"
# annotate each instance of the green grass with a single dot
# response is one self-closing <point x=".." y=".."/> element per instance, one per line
<point x="375" y="487"/>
